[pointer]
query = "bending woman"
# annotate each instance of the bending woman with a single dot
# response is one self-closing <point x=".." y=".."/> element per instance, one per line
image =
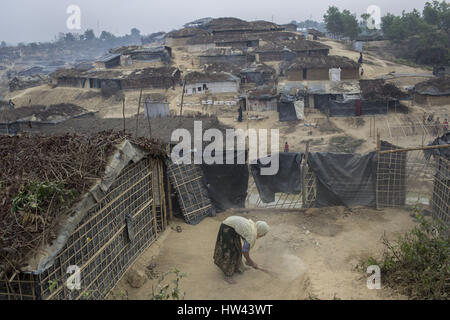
<point x="229" y="250"/>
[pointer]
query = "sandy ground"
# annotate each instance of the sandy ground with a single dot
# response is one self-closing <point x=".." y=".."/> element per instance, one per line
<point x="311" y="254"/>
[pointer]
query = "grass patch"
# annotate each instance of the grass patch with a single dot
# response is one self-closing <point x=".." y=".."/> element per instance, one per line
<point x="346" y="144"/>
<point x="417" y="264"/>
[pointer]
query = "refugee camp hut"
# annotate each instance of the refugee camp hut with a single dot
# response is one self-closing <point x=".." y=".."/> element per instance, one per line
<point x="279" y="36"/>
<point x="216" y="82"/>
<point x="433" y="92"/>
<point x="307" y="48"/>
<point x="326" y="95"/>
<point x="152" y="54"/>
<point x="223" y="55"/>
<point x="94" y="79"/>
<point x="157" y="78"/>
<point x="257" y="73"/>
<point x="109" y="206"/>
<point x="290" y="107"/>
<point x="321" y="68"/>
<point x="38" y="117"/>
<point x="200" y="43"/>
<point x="156" y="105"/>
<point x="238" y="41"/>
<point x="157" y="38"/>
<point x="289" y="27"/>
<point x="109" y="60"/>
<point x="147" y="54"/>
<point x="314" y="34"/>
<point x="229" y="26"/>
<point x="180" y="37"/>
<point x="379" y="96"/>
<point x="275" y="52"/>
<point x="262" y="98"/>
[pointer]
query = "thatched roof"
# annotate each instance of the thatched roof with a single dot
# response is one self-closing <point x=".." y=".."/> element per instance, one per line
<point x="262" y="92"/>
<point x="321" y="62"/>
<point x="41" y="113"/>
<point x="73" y="164"/>
<point x="226" y="23"/>
<point x="379" y="90"/>
<point x="186" y="33"/>
<point x="221" y="52"/>
<point x="222" y="67"/>
<point x="209" y="77"/>
<point x="116" y="74"/>
<point x="155" y="97"/>
<point x="293" y="45"/>
<point x="434" y="87"/>
<point x="259" y="68"/>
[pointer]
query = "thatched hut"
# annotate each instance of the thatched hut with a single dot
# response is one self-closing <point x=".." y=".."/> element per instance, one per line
<point x="88" y="204"/>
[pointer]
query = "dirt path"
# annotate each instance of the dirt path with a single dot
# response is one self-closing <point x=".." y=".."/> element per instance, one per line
<point x="310" y="255"/>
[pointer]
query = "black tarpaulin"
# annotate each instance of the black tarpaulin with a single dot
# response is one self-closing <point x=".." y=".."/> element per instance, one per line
<point x="443" y="152"/>
<point x="344" y="179"/>
<point x="287" y="179"/>
<point x="227" y="183"/>
<point x="286" y="109"/>
<point x="348" y="108"/>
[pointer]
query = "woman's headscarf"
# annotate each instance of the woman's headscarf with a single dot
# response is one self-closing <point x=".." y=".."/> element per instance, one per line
<point x="262" y="228"/>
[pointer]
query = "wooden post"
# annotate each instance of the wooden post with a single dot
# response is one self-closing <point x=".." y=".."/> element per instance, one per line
<point x="182" y="98"/>
<point x="137" y="115"/>
<point x="302" y="176"/>
<point x="123" y="113"/>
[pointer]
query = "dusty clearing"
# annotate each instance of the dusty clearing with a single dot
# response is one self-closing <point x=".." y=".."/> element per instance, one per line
<point x="310" y="254"/>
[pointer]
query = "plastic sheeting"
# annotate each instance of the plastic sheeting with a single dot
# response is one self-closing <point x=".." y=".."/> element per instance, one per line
<point x="444" y="152"/>
<point x="287" y="180"/>
<point x="348" y="108"/>
<point x="286" y="108"/>
<point x="344" y="179"/>
<point x="299" y="107"/>
<point x="226" y="183"/>
<point x="335" y="74"/>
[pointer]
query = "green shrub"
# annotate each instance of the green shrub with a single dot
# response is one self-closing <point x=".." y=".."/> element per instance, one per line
<point x="418" y="263"/>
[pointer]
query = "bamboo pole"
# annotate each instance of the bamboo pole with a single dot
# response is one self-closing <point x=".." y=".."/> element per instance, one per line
<point x="155" y="225"/>
<point x="137" y="115"/>
<point x="182" y="98"/>
<point x="302" y="174"/>
<point x="378" y="169"/>
<point x="416" y="148"/>
<point x="123" y="113"/>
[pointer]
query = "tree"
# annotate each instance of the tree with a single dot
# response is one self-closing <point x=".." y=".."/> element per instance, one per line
<point x="89" y="35"/>
<point x="107" y="36"/>
<point x="349" y="24"/>
<point x="69" y="37"/>
<point x="3" y="44"/>
<point x="135" y="33"/>
<point x="333" y="21"/>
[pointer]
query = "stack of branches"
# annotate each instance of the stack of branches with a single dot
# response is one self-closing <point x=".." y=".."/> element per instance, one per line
<point x="42" y="177"/>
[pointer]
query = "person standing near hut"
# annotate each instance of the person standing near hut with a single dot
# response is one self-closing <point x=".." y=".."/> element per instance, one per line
<point x="286" y="147"/>
<point x="229" y="249"/>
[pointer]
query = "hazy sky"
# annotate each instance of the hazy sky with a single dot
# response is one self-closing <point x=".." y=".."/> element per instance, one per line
<point x="41" y="20"/>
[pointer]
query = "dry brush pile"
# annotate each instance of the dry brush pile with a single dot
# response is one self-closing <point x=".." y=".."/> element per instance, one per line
<point x="42" y="177"/>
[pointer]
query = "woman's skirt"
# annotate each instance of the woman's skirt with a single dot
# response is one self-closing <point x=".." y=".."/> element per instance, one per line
<point x="228" y="251"/>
